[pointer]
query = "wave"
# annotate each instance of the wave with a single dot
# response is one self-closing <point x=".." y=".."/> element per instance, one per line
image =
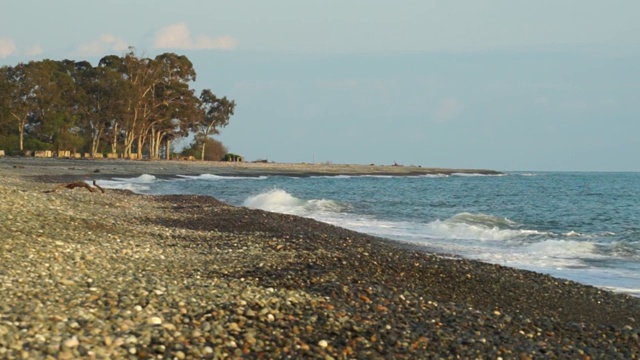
<point x="332" y="176"/>
<point x="123" y="185"/>
<point x="140" y="184"/>
<point x="481" y="219"/>
<point x="564" y="249"/>
<point x="211" y="177"/>
<point x="380" y="176"/>
<point x="475" y="175"/>
<point x="142" y="179"/>
<point x="280" y="201"/>
<point x="468" y="226"/>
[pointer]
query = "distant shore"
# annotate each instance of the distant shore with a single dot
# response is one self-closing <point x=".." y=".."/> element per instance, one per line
<point x="70" y="167"/>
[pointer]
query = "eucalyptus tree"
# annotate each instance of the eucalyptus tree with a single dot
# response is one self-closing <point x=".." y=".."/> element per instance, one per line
<point x="172" y="103"/>
<point x="52" y="120"/>
<point x="134" y="103"/>
<point x="141" y="75"/>
<point x="115" y="91"/>
<point x="101" y="99"/>
<point x="88" y="106"/>
<point x="19" y="99"/>
<point x="216" y="114"/>
<point x="6" y="122"/>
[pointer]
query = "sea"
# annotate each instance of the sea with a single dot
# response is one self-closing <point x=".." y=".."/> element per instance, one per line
<point x="579" y="226"/>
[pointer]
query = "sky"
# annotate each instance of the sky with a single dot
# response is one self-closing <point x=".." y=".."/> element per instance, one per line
<point x="510" y="85"/>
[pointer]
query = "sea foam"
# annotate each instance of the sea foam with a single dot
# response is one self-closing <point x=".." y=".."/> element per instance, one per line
<point x="280" y="201"/>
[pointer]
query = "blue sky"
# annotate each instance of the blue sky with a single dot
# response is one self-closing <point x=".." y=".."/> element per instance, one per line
<point x="503" y="84"/>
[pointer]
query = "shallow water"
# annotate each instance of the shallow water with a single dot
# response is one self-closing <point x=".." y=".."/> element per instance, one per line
<point x="579" y="226"/>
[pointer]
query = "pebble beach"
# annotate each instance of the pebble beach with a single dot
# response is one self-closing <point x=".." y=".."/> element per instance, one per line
<point x="116" y="275"/>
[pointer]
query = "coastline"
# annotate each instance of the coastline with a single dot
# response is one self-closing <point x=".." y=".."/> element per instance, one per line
<point x="120" y="275"/>
<point x="80" y="167"/>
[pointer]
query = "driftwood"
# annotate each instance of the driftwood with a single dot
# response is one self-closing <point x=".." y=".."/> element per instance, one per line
<point x="98" y="186"/>
<point x="76" y="184"/>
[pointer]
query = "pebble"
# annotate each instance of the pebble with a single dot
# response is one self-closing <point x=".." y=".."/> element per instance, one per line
<point x="119" y="276"/>
<point x="71" y="342"/>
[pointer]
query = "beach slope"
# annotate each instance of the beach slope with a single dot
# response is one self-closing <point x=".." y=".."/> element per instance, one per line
<point x="92" y="274"/>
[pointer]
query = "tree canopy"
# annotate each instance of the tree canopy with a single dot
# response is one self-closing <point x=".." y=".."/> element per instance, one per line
<point x="127" y="104"/>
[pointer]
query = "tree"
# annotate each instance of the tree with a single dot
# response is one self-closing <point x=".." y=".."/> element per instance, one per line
<point x="53" y="118"/>
<point x="136" y="104"/>
<point x="173" y="103"/>
<point x="114" y="91"/>
<point x="216" y="114"/>
<point x="215" y="150"/>
<point x="19" y="97"/>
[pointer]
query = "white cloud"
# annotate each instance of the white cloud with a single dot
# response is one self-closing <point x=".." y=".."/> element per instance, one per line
<point x="448" y="109"/>
<point x="34" y="50"/>
<point x="177" y="36"/>
<point x="7" y="47"/>
<point x="101" y="46"/>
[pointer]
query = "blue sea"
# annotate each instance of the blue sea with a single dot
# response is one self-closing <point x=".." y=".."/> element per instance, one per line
<point x="583" y="227"/>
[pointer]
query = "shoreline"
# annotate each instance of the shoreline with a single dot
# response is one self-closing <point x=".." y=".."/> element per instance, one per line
<point x="206" y="279"/>
<point x="83" y="167"/>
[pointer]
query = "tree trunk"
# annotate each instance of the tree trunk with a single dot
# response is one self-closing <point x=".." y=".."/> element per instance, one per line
<point x="140" y="145"/>
<point x="157" y="144"/>
<point x="128" y="142"/>
<point x="114" y="144"/>
<point x="95" y="142"/>
<point x="168" y="149"/>
<point x="152" y="144"/>
<point x="21" y="139"/>
<point x="204" y="143"/>
<point x="22" y="122"/>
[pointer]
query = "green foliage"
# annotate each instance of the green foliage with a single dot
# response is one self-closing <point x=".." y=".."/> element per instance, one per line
<point x="36" y="145"/>
<point x="125" y="103"/>
<point x="214" y="149"/>
<point x="231" y="157"/>
<point x="9" y="143"/>
<point x="190" y="151"/>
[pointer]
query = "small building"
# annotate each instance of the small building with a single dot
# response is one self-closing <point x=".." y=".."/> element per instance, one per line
<point x="232" y="157"/>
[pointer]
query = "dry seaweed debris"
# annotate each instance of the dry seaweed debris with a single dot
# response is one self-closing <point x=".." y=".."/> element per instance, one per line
<point x="75" y="184"/>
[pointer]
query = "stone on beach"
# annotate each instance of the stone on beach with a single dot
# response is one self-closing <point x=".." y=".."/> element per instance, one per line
<point x="126" y="276"/>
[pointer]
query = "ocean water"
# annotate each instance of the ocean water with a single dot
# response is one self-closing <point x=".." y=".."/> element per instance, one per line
<point x="583" y="227"/>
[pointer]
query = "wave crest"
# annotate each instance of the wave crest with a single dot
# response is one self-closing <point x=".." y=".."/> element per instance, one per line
<point x="280" y="201"/>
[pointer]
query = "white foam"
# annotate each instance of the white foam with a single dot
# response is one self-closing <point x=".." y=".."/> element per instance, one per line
<point x="623" y="290"/>
<point x="142" y="179"/>
<point x="564" y="249"/>
<point x="433" y="176"/>
<point x="280" y="201"/>
<point x="482" y="227"/>
<point x="332" y="176"/>
<point x="475" y="175"/>
<point x="449" y="230"/>
<point x="481" y="219"/>
<point x="212" y="177"/>
<point x="124" y="185"/>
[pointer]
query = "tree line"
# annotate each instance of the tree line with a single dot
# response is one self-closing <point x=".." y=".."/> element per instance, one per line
<point x="126" y="104"/>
